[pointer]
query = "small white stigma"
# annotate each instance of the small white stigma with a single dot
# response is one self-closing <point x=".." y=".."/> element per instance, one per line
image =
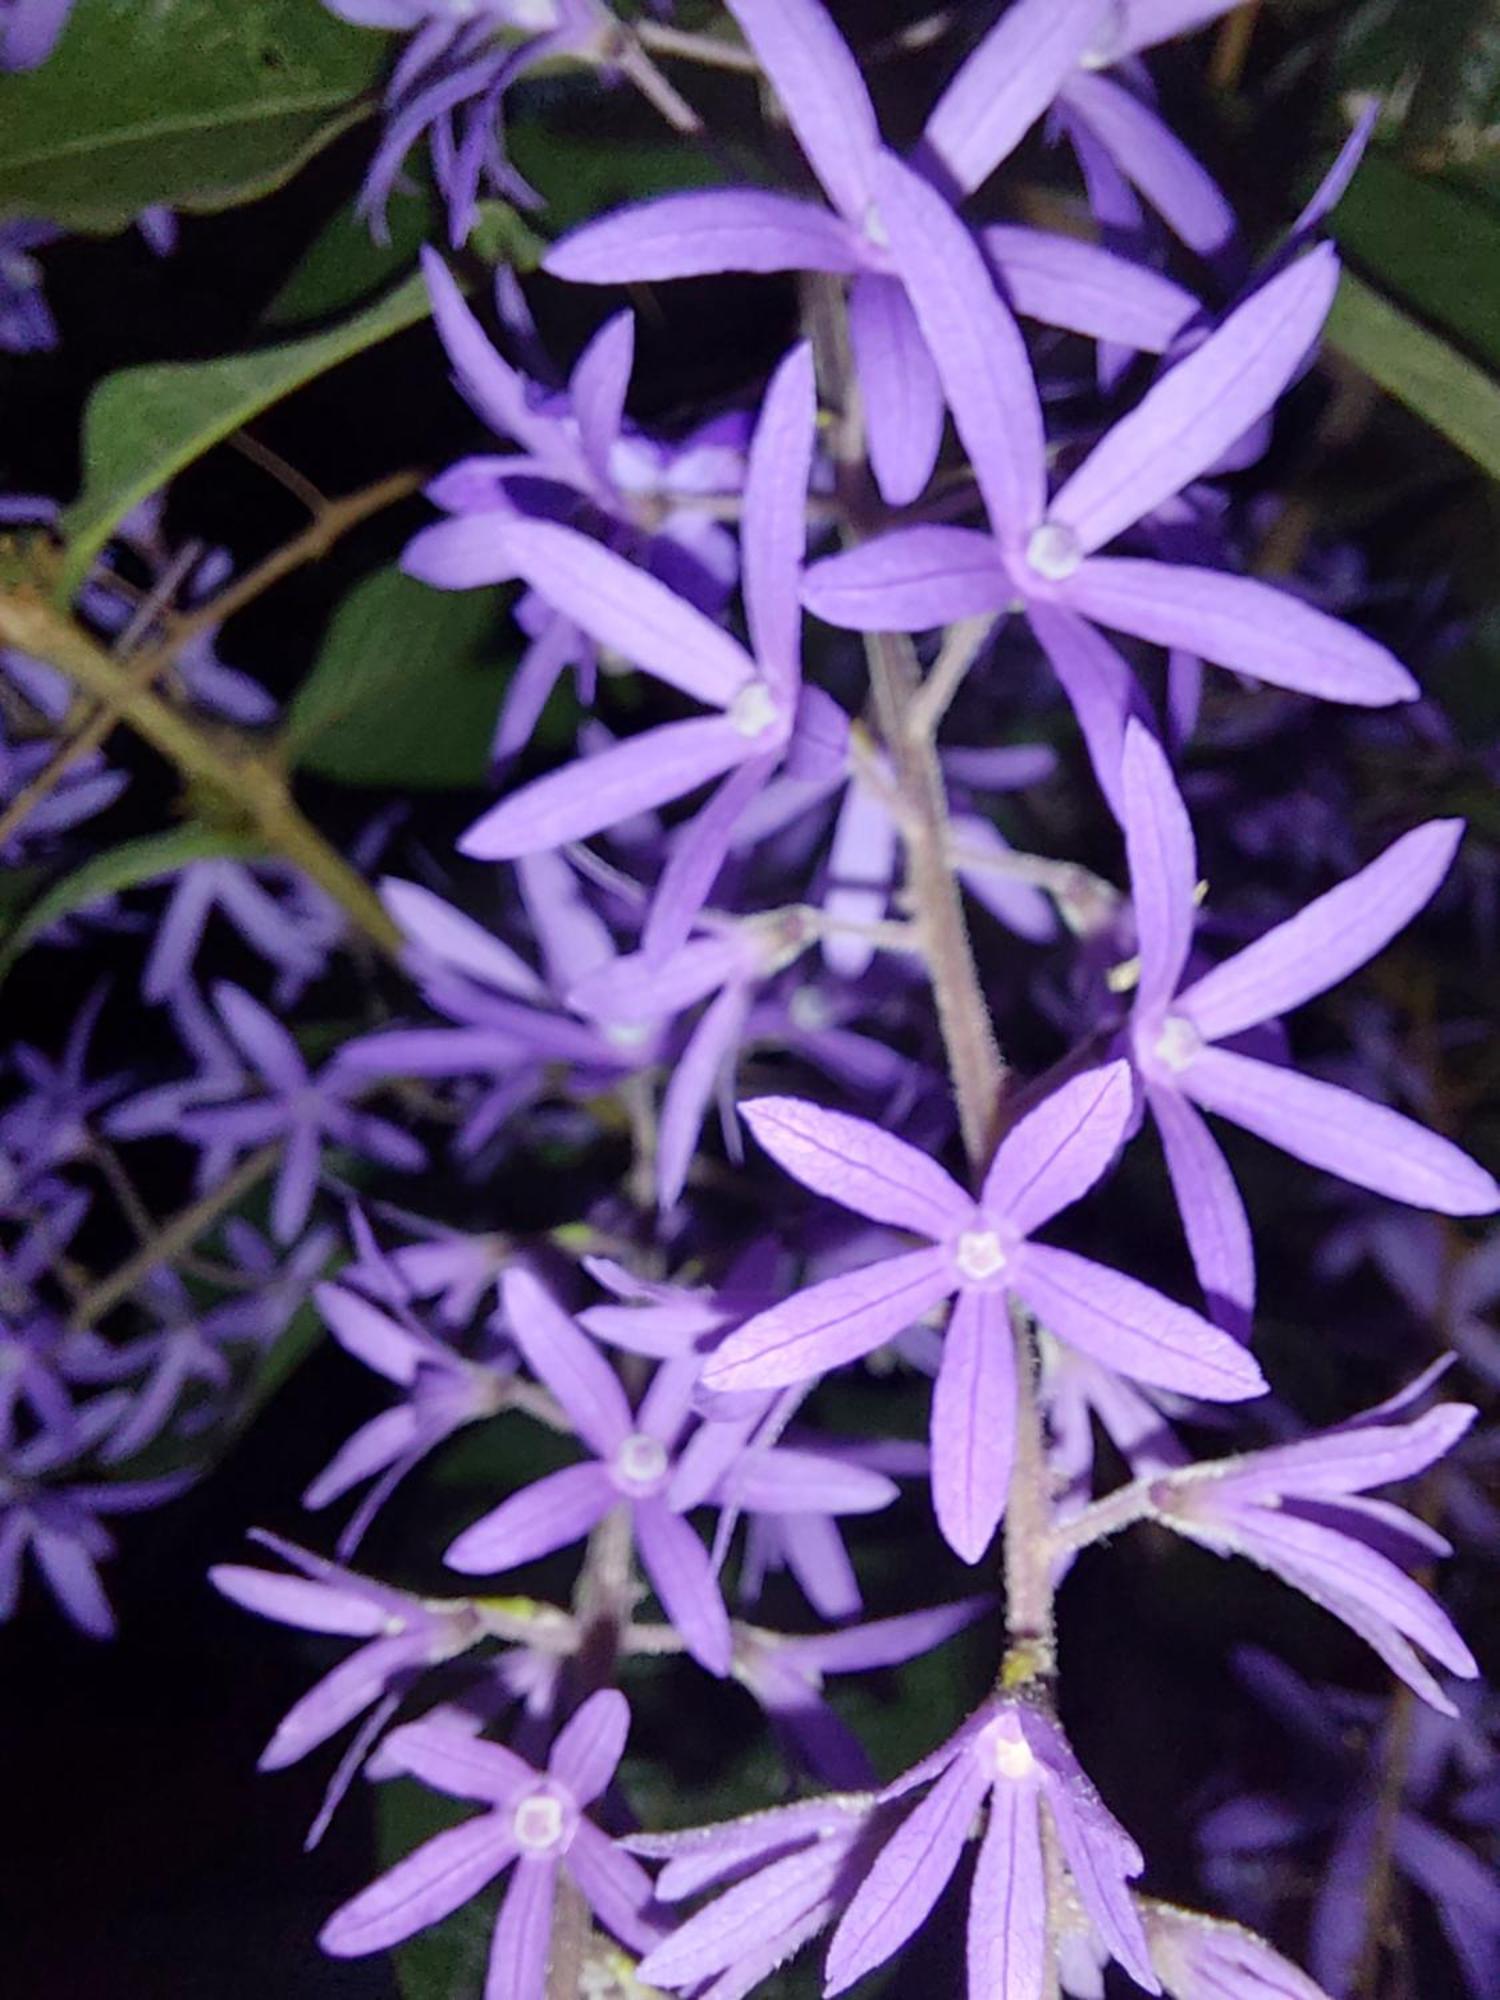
<point x="1053" y="552"/>
<point x="1178" y="1043"/>
<point x="809" y="1010"/>
<point x="538" y="1822"/>
<point x="753" y="710"/>
<point x="980" y="1253"/>
<point x="627" y="1034"/>
<point x="641" y="1460"/>
<point x="1013" y="1755"/>
<point x="875" y="228"/>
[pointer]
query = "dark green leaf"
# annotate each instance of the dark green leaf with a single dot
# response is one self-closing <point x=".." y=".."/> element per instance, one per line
<point x="194" y="103"/>
<point x="150" y="859"/>
<point x="581" y="177"/>
<point x="406" y="688"/>
<point x="1420" y="369"/>
<point x="1435" y="247"/>
<point x="144" y="425"/>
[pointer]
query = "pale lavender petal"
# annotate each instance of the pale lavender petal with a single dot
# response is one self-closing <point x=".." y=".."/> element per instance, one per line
<point x="616" y="1887"/>
<point x="522" y="1942"/>
<point x="974" y="1422"/>
<point x="1181" y="191"/>
<point x="326" y="1708"/>
<point x="678" y="1569"/>
<point x="566" y="1360"/>
<point x="1063" y="281"/>
<point x="634" y="988"/>
<point x="857" y="1164"/>
<point x="597" y="389"/>
<point x="1328" y="940"/>
<point x="69" y="1569"/>
<point x="260" y="1038"/>
<point x="831" y="1323"/>
<point x="436" y="927"/>
<point x="585" y="797"/>
<point x="1163" y="865"/>
<point x="822" y="91"/>
<point x="773" y="529"/>
<point x="861" y="869"/>
<point x="1059" y="1149"/>
<point x="699" y="851"/>
<point x="787" y="1481"/>
<point x="1124" y="1324"/>
<point x="574" y="939"/>
<point x="585" y="1754"/>
<point x="709" y="1054"/>
<point x="764" y="1906"/>
<point x="494" y="389"/>
<point x="462" y="554"/>
<point x="976" y="344"/>
<point x="911" y="581"/>
<point x="1101" y="690"/>
<point x="899" y="388"/>
<point x="552" y="1514"/>
<point x="1007" y="83"/>
<point x="627" y="610"/>
<point x="1240" y="622"/>
<point x="909" y="1874"/>
<point x="296" y="1184"/>
<point x="452" y="1761"/>
<point x="1007" y="1935"/>
<point x="1213" y="1215"/>
<point x="1018" y="905"/>
<point x="696" y="235"/>
<point x="427" y="1886"/>
<point x="293" y="1600"/>
<point x="1201" y="406"/>
<point x="384" y="1441"/>
<point x="369" y="1334"/>
<point x="1343" y="1134"/>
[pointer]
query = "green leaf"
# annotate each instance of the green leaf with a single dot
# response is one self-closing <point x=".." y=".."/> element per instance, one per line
<point x="149" y="859"/>
<point x="405" y="689"/>
<point x="1434" y="246"/>
<point x="144" y="425"/>
<point x="195" y="103"/>
<point x="1420" y="369"/>
<point x="582" y="177"/>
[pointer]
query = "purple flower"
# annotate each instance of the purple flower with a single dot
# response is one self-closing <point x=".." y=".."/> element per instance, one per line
<point x="1299" y="1511"/>
<point x="1175" y="1032"/>
<point x="1043" y="553"/>
<point x="293" y="933"/>
<point x="26" y="322"/>
<point x="535" y="1820"/>
<point x="1066" y="283"/>
<point x="29" y="31"/>
<point x="764" y="716"/>
<point x="980" y="1251"/>
<point x="303" y="1110"/>
<point x="1195" y="1956"/>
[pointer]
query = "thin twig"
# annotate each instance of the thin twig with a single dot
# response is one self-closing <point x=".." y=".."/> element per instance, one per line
<point x="709" y="51"/>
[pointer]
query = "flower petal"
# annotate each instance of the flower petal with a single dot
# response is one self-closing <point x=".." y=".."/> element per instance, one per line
<point x="1087" y="289"/>
<point x="774" y="522"/>
<point x="974" y="1422"/>
<point x="821" y="90"/>
<point x="679" y="1571"/>
<point x="1059" y="1149"/>
<point x="913" y="580"/>
<point x="591" y="1744"/>
<point x="427" y="1886"/>
<point x="1213" y="1215"/>
<point x="522" y="1943"/>
<point x="697" y="235"/>
<point x="1006" y="84"/>
<point x="1150" y="154"/>
<point x="552" y="1514"/>
<point x="597" y="390"/>
<point x="858" y="1165"/>
<point x="564" y="1357"/>
<point x="831" y="1323"/>
<point x="1163" y="865"/>
<point x="900" y="392"/>
<point x="1007" y="1934"/>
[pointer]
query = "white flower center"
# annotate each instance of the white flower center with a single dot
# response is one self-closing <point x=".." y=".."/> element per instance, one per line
<point x="980" y="1253"/>
<point x="1053" y="551"/>
<point x="641" y="1460"/>
<point x="753" y="710"/>
<point x="627" y="1034"/>
<point x="1178" y="1043"/>
<point x="875" y="228"/>
<point x="538" y="1822"/>
<point x="1013" y="1756"/>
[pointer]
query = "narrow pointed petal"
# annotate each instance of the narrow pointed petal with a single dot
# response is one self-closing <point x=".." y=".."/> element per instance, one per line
<point x="822" y="91"/>
<point x="1241" y="623"/>
<point x="910" y="1872"/>
<point x="293" y="1600"/>
<point x="566" y="1359"/>
<point x="489" y="384"/>
<point x="598" y="388"/>
<point x="260" y="1038"/>
<point x="1101" y="689"/>
<point x="1332" y="1128"/>
<point x="1130" y="1328"/>
<point x="913" y="580"/>
<point x="369" y="1334"/>
<point x="1324" y="943"/>
<point x="598" y="792"/>
<point x="858" y="1165"/>
<point x="586" y="1753"/>
<point x="1201" y="406"/>
<point x="765" y="1905"/>
<point x="627" y="610"/>
<point x="632" y="988"/>
<point x="774" y="531"/>
<point x="697" y="235"/>
<point x="974" y="1423"/>
<point x="522" y="1942"/>
<point x="699" y="851"/>
<point x="679" y="1571"/>
<point x="711" y="1050"/>
<point x="1151" y="156"/>
<point x="980" y="354"/>
<point x="552" y="1514"/>
<point x="1163" y="865"/>
<point x="1008" y="1904"/>
<point x="382" y="1442"/>
<point x="452" y="1761"/>
<point x="832" y="1323"/>
<point x="434" y="926"/>
<point x="1059" y="1149"/>
<point x="427" y="1886"/>
<point x="1007" y="83"/>
<point x="615" y="1886"/>
<point x="899" y="387"/>
<point x="354" y="1685"/>
<point x="862" y="860"/>
<point x="787" y="1481"/>
<point x="1087" y="289"/>
<point x="1213" y="1214"/>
